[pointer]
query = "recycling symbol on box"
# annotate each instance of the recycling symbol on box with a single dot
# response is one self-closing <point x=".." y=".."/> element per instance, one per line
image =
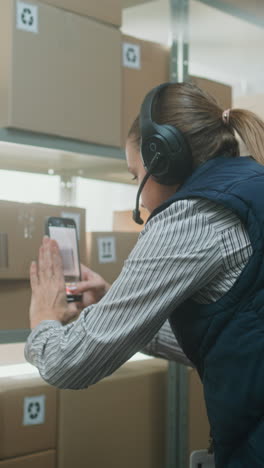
<point x="27" y="17"/>
<point x="34" y="410"/>
<point x="131" y="55"/>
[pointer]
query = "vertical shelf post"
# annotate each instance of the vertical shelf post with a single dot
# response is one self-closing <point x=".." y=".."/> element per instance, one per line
<point x="176" y="449"/>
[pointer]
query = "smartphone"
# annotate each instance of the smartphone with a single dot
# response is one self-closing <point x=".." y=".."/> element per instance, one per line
<point x="64" y="231"/>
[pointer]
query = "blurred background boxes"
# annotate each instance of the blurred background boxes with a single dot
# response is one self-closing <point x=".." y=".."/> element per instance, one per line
<point x="37" y="460"/>
<point x="220" y="91"/>
<point x="12" y="353"/>
<point x="123" y="220"/>
<point x="105" y="11"/>
<point x="22" y="230"/>
<point x="28" y="408"/>
<point x="119" y="422"/>
<point x="15" y="296"/>
<point x="253" y="103"/>
<point x="107" y="252"/>
<point x="145" y="65"/>
<point x="60" y="73"/>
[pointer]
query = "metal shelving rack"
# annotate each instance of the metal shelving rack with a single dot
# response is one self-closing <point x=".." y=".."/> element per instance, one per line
<point x="75" y="154"/>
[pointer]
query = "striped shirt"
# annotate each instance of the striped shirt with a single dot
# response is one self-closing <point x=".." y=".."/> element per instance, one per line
<point x="194" y="248"/>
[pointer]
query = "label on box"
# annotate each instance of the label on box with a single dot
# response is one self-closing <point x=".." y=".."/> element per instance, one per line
<point x="131" y="55"/>
<point x="34" y="410"/>
<point x="76" y="217"/>
<point x="106" y="249"/>
<point x="27" y="17"/>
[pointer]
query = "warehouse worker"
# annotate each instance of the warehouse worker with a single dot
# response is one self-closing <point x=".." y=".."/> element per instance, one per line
<point x="196" y="272"/>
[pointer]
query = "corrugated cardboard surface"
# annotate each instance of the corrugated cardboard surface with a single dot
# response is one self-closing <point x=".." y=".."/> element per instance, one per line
<point x="254" y="103"/>
<point x="220" y="91"/>
<point x="119" y="422"/>
<point x="123" y="221"/>
<point x="37" y="460"/>
<point x="124" y="243"/>
<point x="68" y="82"/>
<point x="21" y="231"/>
<point x="137" y="82"/>
<point x="107" y="11"/>
<point x="15" y="299"/>
<point x="12" y="353"/>
<point x="17" y="439"/>
<point x="199" y="429"/>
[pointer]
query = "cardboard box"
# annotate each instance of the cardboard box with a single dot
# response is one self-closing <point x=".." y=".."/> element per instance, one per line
<point x="15" y="299"/>
<point x="221" y="92"/>
<point x="107" y="252"/>
<point x="198" y="424"/>
<point x="60" y="73"/>
<point x="145" y="65"/>
<point x="12" y="353"/>
<point x="123" y="221"/>
<point x="119" y="422"/>
<point x="21" y="232"/>
<point x="253" y="103"/>
<point x="28" y="408"/>
<point x="107" y="11"/>
<point x="37" y="460"/>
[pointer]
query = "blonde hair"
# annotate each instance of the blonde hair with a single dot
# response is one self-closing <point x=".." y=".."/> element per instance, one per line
<point x="200" y="118"/>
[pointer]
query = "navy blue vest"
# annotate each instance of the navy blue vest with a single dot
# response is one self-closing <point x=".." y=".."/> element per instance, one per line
<point x="225" y="339"/>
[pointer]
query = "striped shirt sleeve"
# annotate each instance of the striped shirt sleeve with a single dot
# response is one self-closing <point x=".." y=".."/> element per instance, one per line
<point x="175" y="255"/>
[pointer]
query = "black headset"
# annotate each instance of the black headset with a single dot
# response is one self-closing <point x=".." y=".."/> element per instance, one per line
<point x="164" y="143"/>
<point x="165" y="152"/>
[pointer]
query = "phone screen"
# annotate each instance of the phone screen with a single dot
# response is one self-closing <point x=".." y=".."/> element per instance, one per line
<point x="67" y="240"/>
<point x="65" y="233"/>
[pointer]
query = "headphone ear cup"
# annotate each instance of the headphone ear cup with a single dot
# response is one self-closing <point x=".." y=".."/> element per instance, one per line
<point x="174" y="162"/>
<point x="155" y="146"/>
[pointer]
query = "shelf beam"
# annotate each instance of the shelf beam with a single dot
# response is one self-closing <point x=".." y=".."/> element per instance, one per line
<point x="13" y="336"/>
<point x="21" y="137"/>
<point x="249" y="11"/>
<point x="43" y="154"/>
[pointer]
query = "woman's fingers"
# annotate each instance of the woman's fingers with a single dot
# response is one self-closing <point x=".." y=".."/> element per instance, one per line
<point x="45" y="259"/>
<point x="56" y="261"/>
<point x="33" y="273"/>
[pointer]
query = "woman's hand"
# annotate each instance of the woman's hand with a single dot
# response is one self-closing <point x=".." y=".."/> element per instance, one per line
<point x="92" y="287"/>
<point x="48" y="300"/>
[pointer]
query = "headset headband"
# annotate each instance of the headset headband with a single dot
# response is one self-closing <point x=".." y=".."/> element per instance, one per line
<point x="146" y="120"/>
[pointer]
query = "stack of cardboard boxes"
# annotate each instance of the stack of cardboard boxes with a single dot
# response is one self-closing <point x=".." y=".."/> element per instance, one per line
<point x="67" y="70"/>
<point x="22" y="230"/>
<point x="61" y="68"/>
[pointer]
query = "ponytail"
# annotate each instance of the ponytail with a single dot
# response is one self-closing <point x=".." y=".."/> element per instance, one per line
<point x="250" y="128"/>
